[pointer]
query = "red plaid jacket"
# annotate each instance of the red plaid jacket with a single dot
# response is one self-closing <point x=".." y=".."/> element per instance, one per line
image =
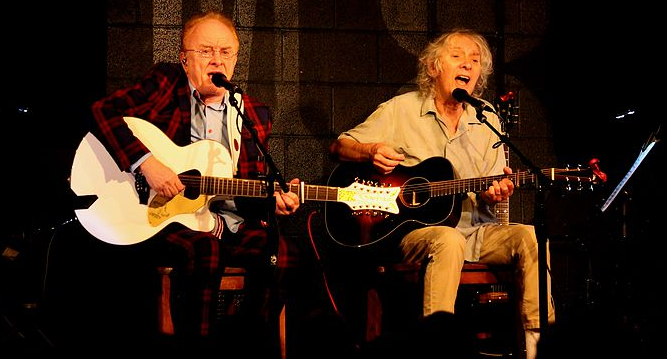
<point x="162" y="97"/>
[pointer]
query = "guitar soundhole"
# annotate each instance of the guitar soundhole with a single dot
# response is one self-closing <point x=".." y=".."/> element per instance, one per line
<point x="415" y="192"/>
<point x="195" y="184"/>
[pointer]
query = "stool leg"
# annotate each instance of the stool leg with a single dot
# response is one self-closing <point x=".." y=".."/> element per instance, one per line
<point x="373" y="315"/>
<point x="282" y="329"/>
<point x="165" y="323"/>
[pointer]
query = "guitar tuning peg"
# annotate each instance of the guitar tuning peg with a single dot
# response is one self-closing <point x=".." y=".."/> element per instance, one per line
<point x="568" y="184"/>
<point x="594" y="165"/>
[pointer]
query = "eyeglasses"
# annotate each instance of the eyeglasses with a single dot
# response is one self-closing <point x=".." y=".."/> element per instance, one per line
<point x="208" y="53"/>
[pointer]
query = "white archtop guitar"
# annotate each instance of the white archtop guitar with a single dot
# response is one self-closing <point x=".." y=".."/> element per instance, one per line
<point x="127" y="211"/>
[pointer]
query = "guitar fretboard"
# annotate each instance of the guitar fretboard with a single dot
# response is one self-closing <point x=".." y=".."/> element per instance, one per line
<point x="452" y="187"/>
<point x="448" y="188"/>
<point x="237" y="187"/>
<point x="508" y="110"/>
<point x="502" y="208"/>
<point x="357" y="196"/>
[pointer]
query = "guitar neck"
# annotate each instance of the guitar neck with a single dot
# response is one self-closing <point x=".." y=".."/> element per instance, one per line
<point x="358" y="196"/>
<point x="452" y="187"/>
<point x="507" y="105"/>
<point x="502" y="208"/>
<point x="237" y="187"/>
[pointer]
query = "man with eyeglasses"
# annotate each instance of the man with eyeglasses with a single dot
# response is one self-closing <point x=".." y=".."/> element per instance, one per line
<point x="182" y="101"/>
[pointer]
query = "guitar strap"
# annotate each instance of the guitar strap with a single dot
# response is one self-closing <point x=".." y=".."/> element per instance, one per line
<point x="224" y="124"/>
<point x="234" y="122"/>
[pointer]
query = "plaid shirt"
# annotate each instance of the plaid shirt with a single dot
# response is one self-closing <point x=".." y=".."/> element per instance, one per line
<point x="162" y="97"/>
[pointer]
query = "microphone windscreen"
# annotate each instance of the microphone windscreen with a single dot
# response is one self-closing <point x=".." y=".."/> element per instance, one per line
<point x="460" y="95"/>
<point x="219" y="79"/>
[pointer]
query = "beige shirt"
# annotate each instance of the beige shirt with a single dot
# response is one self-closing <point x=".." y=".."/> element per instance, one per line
<point x="411" y="125"/>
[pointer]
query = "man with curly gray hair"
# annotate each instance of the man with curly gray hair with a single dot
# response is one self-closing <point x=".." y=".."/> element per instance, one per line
<point x="413" y="129"/>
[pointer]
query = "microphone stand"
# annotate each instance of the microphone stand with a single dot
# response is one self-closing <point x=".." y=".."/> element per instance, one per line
<point x="272" y="174"/>
<point x="540" y="223"/>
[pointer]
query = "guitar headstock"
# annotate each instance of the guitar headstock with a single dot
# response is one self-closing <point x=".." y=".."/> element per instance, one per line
<point x="507" y="106"/>
<point x="365" y="195"/>
<point x="577" y="178"/>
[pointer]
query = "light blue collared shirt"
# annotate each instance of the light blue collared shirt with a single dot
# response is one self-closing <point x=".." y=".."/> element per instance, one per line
<point x="208" y="123"/>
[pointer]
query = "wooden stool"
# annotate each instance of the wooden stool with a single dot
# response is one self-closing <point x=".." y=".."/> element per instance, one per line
<point x="481" y="286"/>
<point x="233" y="280"/>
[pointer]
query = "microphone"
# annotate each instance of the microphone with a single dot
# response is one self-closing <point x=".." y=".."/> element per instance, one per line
<point x="462" y="95"/>
<point x="220" y="80"/>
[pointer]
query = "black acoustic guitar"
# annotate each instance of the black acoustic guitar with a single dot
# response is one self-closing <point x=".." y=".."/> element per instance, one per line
<point x="429" y="196"/>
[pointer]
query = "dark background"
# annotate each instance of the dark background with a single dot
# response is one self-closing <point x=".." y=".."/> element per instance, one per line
<point x="593" y="64"/>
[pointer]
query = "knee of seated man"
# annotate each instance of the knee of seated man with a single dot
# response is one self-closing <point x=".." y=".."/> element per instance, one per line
<point x="524" y="235"/>
<point x="447" y="237"/>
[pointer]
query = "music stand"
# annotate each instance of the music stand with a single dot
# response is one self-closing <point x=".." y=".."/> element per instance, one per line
<point x="646" y="148"/>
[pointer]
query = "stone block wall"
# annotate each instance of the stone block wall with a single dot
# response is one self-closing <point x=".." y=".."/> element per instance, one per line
<point x="323" y="66"/>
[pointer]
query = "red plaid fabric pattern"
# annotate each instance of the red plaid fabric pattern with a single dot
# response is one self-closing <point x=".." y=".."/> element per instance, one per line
<point x="162" y="97"/>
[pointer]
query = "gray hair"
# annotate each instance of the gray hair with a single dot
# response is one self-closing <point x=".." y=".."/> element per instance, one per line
<point x="431" y="55"/>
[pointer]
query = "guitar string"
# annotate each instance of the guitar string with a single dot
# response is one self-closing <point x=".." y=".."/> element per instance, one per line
<point x="471" y="184"/>
<point x="254" y="187"/>
<point x="248" y="186"/>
